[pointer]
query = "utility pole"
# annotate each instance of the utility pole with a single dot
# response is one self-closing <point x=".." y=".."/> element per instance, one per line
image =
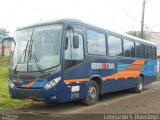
<point x="142" y="21"/>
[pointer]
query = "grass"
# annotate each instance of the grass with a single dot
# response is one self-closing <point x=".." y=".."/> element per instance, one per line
<point x="5" y="100"/>
<point x="158" y="77"/>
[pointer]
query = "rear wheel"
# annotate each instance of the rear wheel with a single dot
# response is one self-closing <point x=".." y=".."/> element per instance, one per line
<point x="92" y="94"/>
<point x="139" y="85"/>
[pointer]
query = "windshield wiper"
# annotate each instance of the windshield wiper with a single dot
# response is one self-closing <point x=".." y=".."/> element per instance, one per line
<point x="37" y="65"/>
<point x="34" y="58"/>
<point x="24" y="51"/>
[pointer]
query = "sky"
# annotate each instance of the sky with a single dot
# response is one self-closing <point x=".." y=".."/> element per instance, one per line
<point x="116" y="15"/>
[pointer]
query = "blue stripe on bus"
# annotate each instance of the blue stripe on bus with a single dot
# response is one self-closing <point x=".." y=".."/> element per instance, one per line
<point x="122" y="66"/>
<point x="39" y="83"/>
<point x="149" y="68"/>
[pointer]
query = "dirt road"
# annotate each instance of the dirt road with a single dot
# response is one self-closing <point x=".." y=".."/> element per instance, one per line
<point x="124" y="102"/>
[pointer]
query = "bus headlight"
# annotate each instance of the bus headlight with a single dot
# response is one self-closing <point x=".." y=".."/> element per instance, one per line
<point x="52" y="83"/>
<point x="11" y="84"/>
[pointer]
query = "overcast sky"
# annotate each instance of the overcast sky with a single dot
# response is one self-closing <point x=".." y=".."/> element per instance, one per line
<point x="117" y="15"/>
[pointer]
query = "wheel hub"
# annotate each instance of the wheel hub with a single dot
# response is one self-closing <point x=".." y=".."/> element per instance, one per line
<point x="92" y="92"/>
<point x="140" y="85"/>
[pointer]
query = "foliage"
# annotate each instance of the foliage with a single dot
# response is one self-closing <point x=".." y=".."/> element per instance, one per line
<point x="3" y="33"/>
<point x="147" y="35"/>
<point x="158" y="77"/>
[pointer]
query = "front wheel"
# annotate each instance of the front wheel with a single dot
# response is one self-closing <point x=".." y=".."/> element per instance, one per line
<point x="139" y="85"/>
<point x="92" y="94"/>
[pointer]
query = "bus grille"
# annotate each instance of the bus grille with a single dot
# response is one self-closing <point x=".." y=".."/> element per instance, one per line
<point x="25" y="78"/>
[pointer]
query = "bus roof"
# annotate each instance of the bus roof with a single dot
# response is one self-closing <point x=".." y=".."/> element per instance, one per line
<point x="65" y="21"/>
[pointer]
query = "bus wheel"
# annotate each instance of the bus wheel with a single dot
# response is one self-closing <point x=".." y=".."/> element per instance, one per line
<point x="139" y="85"/>
<point x="92" y="94"/>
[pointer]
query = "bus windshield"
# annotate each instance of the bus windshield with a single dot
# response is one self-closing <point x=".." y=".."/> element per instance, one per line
<point x="36" y="49"/>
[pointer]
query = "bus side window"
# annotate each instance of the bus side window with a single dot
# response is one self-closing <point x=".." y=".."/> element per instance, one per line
<point x="73" y="54"/>
<point x="149" y="54"/>
<point x="138" y="50"/>
<point x="114" y="46"/>
<point x="143" y="51"/>
<point x="78" y="53"/>
<point x="154" y="53"/>
<point x="68" y="40"/>
<point x="129" y="48"/>
<point x="96" y="43"/>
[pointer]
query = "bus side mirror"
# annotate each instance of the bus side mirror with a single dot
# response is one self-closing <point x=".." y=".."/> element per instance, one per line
<point x="66" y="43"/>
<point x="7" y="39"/>
<point x="75" y="41"/>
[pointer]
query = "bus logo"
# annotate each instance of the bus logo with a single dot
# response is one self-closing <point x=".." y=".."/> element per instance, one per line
<point x="102" y="66"/>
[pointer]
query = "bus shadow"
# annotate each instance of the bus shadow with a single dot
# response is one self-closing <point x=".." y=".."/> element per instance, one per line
<point x="70" y="107"/>
<point x="118" y="94"/>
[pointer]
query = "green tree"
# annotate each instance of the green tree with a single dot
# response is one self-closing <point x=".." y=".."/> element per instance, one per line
<point x="134" y="33"/>
<point x="147" y="35"/>
<point x="3" y="33"/>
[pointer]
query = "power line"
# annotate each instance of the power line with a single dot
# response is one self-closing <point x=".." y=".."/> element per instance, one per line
<point x="147" y="1"/>
<point x="130" y="16"/>
<point x="125" y="12"/>
<point x="155" y="26"/>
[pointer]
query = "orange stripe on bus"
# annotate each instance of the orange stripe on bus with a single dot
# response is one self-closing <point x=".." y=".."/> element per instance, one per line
<point x="75" y="80"/>
<point x="29" y="85"/>
<point x="133" y="70"/>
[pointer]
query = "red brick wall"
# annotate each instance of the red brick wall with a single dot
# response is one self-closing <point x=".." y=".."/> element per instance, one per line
<point x="6" y="51"/>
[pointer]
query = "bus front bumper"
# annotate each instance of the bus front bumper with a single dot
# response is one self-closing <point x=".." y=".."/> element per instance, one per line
<point x="34" y="94"/>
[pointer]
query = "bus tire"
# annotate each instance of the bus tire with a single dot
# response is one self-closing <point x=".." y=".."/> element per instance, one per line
<point x="92" y="94"/>
<point x="139" y="85"/>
